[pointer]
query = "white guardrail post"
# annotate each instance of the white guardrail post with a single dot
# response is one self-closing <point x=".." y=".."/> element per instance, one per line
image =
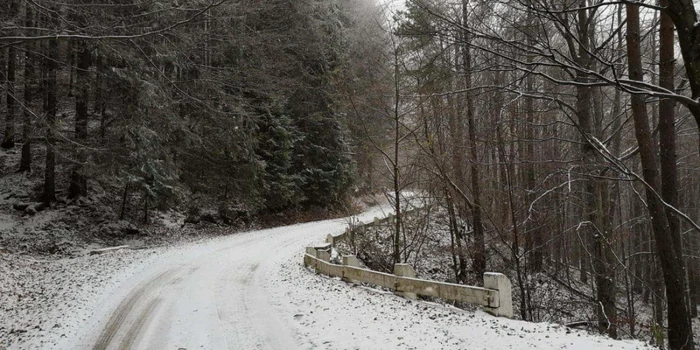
<point x="350" y="260"/>
<point x="405" y="270"/>
<point x="501" y="283"/>
<point x="311" y="251"/>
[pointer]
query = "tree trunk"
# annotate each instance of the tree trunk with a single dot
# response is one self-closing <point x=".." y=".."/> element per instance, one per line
<point x="685" y="19"/>
<point x="456" y="131"/>
<point x="596" y="227"/>
<point x="515" y="250"/>
<point x="125" y="196"/>
<point x="8" y="67"/>
<point x="71" y="67"/>
<point x="98" y="89"/>
<point x="145" y="209"/>
<point x="694" y="275"/>
<point x="8" y="140"/>
<point x="533" y="234"/>
<point x="667" y="131"/>
<point x="51" y="58"/>
<point x="78" y="183"/>
<point x="478" y="225"/>
<point x="396" y="169"/>
<point x="3" y="72"/>
<point x="680" y="332"/>
<point x="25" y="163"/>
<point x="458" y="259"/>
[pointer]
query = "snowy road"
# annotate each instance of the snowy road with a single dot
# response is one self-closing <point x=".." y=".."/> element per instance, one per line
<point x="250" y="291"/>
<point x="211" y="296"/>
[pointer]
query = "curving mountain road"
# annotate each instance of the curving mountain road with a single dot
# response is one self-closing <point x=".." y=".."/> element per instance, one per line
<point x="208" y="296"/>
<point x="250" y="291"/>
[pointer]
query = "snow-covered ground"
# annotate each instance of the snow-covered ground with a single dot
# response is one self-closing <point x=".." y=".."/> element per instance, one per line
<point x="42" y="301"/>
<point x="244" y="291"/>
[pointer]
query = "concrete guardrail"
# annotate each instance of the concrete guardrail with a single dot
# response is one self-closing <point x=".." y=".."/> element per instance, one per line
<point x="495" y="296"/>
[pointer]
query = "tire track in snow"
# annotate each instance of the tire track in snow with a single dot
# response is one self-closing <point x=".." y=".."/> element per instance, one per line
<point x="141" y="294"/>
<point x="136" y="327"/>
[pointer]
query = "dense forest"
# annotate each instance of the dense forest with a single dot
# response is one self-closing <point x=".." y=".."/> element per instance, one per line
<point x="559" y="138"/>
<point x="167" y="100"/>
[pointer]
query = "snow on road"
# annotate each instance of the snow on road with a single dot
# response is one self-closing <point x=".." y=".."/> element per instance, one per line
<point x="250" y="291"/>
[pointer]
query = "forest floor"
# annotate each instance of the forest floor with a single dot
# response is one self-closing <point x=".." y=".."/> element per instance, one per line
<point x="242" y="291"/>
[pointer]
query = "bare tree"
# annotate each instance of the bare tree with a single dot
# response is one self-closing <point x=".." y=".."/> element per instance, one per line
<point x="50" y="92"/>
<point x="29" y="92"/>
<point x="78" y="182"/>
<point x="8" y="140"/>
<point x="680" y="335"/>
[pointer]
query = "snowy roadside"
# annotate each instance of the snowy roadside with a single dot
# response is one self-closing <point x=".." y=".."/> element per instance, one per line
<point x="330" y="314"/>
<point x="51" y="298"/>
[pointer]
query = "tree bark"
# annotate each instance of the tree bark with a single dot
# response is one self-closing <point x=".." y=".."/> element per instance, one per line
<point x="597" y="227"/>
<point x="685" y="19"/>
<point x="8" y="140"/>
<point x="78" y="183"/>
<point x="51" y="58"/>
<point x="667" y="131"/>
<point x="396" y="169"/>
<point x="479" y="266"/>
<point x="458" y="258"/>
<point x="3" y="72"/>
<point x="25" y="163"/>
<point x="456" y="133"/>
<point x="8" y="77"/>
<point x="533" y="234"/>
<point x="680" y="332"/>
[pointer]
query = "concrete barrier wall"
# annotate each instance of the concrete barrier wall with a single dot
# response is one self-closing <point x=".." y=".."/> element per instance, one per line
<point x="495" y="299"/>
